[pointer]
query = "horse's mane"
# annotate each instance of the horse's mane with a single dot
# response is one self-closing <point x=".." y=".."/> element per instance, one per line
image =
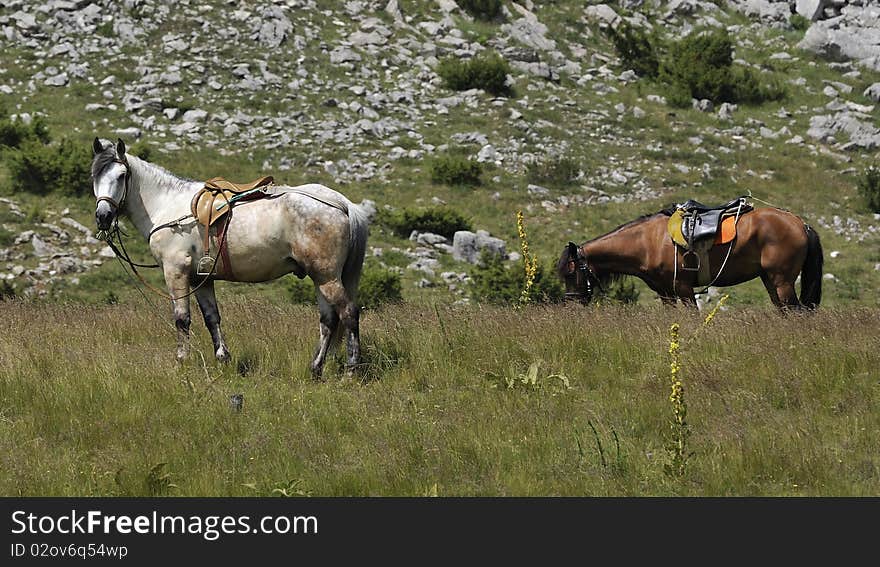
<point x="107" y="157"/>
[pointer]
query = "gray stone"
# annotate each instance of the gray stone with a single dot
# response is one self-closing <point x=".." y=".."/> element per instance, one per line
<point x="873" y="92"/>
<point x="58" y="80"/>
<point x="810" y="9"/>
<point x="195" y="115"/>
<point x="170" y="78"/>
<point x="487" y="154"/>
<point x="272" y="27"/>
<point x="467" y="246"/>
<point x="704" y="105"/>
<point x="343" y="55"/>
<point x="41" y="247"/>
<point x="528" y="31"/>
<point x="604" y="13"/>
<point x="726" y="110"/>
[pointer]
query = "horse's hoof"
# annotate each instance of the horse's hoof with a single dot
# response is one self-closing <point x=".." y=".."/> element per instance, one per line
<point x="223" y="356"/>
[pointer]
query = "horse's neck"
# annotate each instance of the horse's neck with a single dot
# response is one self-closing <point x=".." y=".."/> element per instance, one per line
<point x="621" y="251"/>
<point x="156" y="196"/>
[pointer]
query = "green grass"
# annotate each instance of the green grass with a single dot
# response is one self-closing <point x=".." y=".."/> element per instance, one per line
<point x="91" y="401"/>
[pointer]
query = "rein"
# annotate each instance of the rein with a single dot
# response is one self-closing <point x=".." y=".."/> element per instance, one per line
<point x="124" y="258"/>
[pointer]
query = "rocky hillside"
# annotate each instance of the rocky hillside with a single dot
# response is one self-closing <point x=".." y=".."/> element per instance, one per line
<point x="348" y="94"/>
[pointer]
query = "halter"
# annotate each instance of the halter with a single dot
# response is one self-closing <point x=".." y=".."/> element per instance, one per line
<point x="579" y="265"/>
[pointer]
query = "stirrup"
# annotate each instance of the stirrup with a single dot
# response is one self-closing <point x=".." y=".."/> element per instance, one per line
<point x="684" y="261"/>
<point x="205" y="266"/>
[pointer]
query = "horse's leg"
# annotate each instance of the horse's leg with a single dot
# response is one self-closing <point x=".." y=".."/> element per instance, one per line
<point x="178" y="286"/>
<point x="329" y="323"/>
<point x="349" y="315"/>
<point x="770" y="286"/>
<point x="781" y="291"/>
<point x="685" y="292"/>
<point x="207" y="301"/>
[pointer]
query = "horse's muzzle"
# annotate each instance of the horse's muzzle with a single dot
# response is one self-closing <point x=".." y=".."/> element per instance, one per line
<point x="104" y="216"/>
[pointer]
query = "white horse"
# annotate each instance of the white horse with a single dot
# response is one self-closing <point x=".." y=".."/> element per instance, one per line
<point x="309" y="230"/>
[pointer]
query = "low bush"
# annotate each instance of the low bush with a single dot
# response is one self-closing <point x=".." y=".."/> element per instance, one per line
<point x="15" y="132"/>
<point x="869" y="187"/>
<point x="637" y="49"/>
<point x="621" y="291"/>
<point x="41" y="169"/>
<point x="798" y="22"/>
<point x="495" y="281"/>
<point x="486" y="10"/>
<point x="455" y="170"/>
<point x="701" y="66"/>
<point x="485" y="71"/>
<point x="556" y="172"/>
<point x="378" y="286"/>
<point x="7" y="291"/>
<point x="438" y="220"/>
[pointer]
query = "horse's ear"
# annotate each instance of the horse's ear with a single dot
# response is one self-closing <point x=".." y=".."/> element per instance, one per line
<point x="572" y="250"/>
<point x="97" y="146"/>
<point x="120" y="147"/>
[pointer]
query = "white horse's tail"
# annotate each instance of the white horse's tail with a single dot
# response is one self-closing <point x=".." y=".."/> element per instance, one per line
<point x="357" y="249"/>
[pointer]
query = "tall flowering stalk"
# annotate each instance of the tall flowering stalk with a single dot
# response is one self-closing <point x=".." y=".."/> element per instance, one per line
<point x="530" y="262"/>
<point x="714" y="311"/>
<point x="680" y="428"/>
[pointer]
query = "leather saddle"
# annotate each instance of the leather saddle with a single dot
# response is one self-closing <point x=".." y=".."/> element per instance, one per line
<point x="212" y="203"/>
<point x="693" y="221"/>
<point x="696" y="228"/>
<point x="215" y="199"/>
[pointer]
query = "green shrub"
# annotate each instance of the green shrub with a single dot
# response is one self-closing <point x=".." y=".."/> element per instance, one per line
<point x="6" y="237"/>
<point x="41" y="169"/>
<point x="557" y="172"/>
<point x="378" y="286"/>
<point x="7" y="290"/>
<point x="14" y="133"/>
<point x="495" y="281"/>
<point x="799" y="22"/>
<point x="869" y="187"/>
<point x="455" y="170"/>
<point x="486" y="10"/>
<point x="485" y="71"/>
<point x="701" y="66"/>
<point x="621" y="291"/>
<point x="636" y="48"/>
<point x="301" y="291"/>
<point x="141" y="150"/>
<point x="438" y="220"/>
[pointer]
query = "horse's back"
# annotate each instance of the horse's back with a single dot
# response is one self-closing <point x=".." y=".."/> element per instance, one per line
<point x="770" y="226"/>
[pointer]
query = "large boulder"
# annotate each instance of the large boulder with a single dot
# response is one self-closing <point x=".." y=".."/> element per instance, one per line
<point x="467" y="246"/>
<point x="811" y="9"/>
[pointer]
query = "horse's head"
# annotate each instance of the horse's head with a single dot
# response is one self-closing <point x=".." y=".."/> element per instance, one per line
<point x="110" y="180"/>
<point x="574" y="270"/>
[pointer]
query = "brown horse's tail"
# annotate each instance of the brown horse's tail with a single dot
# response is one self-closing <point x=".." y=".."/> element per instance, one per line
<point x="811" y="273"/>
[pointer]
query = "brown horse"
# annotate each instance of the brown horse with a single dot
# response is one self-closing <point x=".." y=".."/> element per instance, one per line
<point x="770" y="243"/>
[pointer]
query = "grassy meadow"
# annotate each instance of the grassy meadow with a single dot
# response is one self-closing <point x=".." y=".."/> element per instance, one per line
<point x="93" y="403"/>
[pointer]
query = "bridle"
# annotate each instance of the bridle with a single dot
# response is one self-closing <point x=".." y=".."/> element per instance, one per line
<point x="127" y="181"/>
<point x="584" y="276"/>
